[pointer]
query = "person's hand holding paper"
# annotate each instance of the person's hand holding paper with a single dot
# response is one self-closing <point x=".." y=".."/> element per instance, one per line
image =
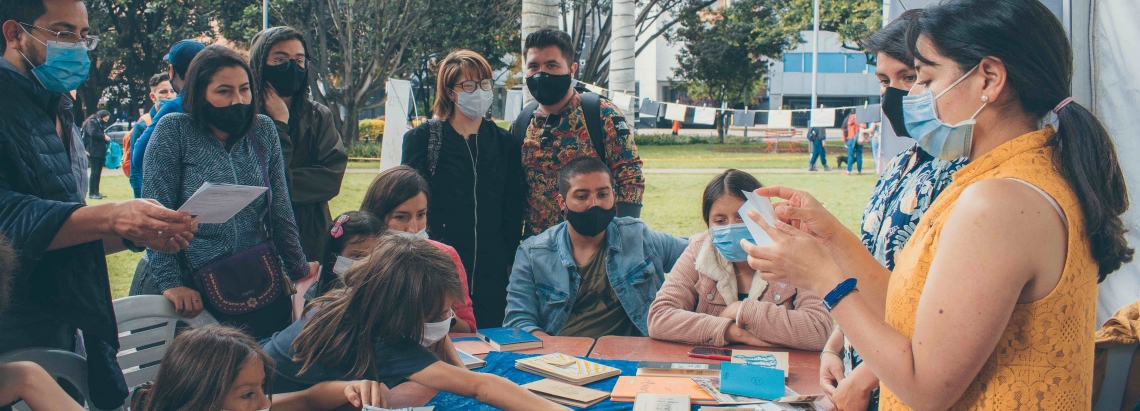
<point x="781" y="252"/>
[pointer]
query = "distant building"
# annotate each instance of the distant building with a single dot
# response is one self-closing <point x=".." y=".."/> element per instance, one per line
<point x="844" y="78"/>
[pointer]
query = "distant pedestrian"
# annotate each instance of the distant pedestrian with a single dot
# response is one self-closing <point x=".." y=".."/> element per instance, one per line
<point x="816" y="135"/>
<point x="851" y="139"/>
<point x="95" y="139"/>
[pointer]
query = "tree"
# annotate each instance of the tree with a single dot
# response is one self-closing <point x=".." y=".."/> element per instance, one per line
<point x="726" y="52"/>
<point x="134" y="37"/>
<point x="853" y="20"/>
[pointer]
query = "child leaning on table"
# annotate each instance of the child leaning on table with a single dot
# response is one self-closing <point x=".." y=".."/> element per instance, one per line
<point x="712" y="297"/>
<point x="217" y="368"/>
<point x="389" y="322"/>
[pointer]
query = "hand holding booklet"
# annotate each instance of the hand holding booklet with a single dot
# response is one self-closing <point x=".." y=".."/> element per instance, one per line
<point x="217" y="203"/>
<point x="763" y="206"/>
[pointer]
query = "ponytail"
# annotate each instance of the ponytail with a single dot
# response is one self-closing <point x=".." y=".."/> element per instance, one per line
<point x="1029" y="39"/>
<point x="1086" y="158"/>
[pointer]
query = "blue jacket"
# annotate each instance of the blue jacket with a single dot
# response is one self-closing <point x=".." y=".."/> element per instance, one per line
<point x="138" y="147"/>
<point x="545" y="280"/>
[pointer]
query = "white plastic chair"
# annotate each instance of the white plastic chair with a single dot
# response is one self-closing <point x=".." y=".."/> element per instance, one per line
<point x="60" y="365"/>
<point x="147" y="324"/>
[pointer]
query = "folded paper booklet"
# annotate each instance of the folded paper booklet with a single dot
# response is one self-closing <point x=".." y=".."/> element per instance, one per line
<point x="470" y="361"/>
<point x="752" y="381"/>
<point x="566" y="394"/>
<point x="472" y="345"/>
<point x="711" y="385"/>
<point x="768" y="359"/>
<point x="509" y="339"/>
<point x="372" y="408"/>
<point x="677" y="369"/>
<point x="217" y="203"/>
<point x="627" y="389"/>
<point x="763" y="206"/>
<point x="661" y="402"/>
<point x="566" y="368"/>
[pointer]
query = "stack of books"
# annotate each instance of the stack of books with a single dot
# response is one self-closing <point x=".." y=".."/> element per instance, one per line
<point x="566" y="394"/>
<point x="566" y="368"/>
<point x="677" y="369"/>
<point x="509" y="339"/>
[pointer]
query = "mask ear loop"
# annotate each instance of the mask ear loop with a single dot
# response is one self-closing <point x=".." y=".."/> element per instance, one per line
<point x="960" y="79"/>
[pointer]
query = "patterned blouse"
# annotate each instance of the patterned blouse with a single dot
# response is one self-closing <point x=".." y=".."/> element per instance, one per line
<point x="180" y="158"/>
<point x="568" y="140"/>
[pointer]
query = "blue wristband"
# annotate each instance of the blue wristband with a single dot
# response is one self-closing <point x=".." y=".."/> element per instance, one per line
<point x="837" y="293"/>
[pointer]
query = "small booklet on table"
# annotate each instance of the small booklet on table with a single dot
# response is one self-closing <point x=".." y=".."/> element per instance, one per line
<point x="566" y="368"/>
<point x="470" y="361"/>
<point x="566" y="394"/>
<point x="661" y="402"/>
<point x="770" y="359"/>
<point x="627" y="389"/>
<point x="752" y="381"/>
<point x="509" y="339"/>
<point x="677" y="369"/>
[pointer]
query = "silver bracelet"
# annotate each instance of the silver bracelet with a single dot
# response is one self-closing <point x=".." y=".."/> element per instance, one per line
<point x="830" y="352"/>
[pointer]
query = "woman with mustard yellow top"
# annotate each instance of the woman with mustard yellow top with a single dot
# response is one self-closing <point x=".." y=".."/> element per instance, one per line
<point x="992" y="302"/>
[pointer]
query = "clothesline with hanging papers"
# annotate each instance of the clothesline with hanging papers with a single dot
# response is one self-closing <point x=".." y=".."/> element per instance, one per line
<point x="821" y="117"/>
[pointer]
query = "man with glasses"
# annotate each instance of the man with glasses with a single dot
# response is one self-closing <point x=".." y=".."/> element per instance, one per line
<point x="60" y="282"/>
<point x="180" y="56"/>
<point x="315" y="159"/>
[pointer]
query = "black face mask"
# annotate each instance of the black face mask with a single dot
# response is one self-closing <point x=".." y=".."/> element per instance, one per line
<point x="548" y="89"/>
<point x="233" y="119"/>
<point x="591" y="222"/>
<point x="286" y="78"/>
<point x="893" y="110"/>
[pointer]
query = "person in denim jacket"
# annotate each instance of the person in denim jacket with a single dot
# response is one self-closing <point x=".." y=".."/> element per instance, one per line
<point x="593" y="274"/>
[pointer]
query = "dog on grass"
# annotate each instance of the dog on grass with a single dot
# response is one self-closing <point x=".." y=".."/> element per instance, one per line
<point x="841" y="160"/>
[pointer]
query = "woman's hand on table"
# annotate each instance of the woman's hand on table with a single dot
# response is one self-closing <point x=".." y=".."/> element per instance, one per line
<point x="735" y="334"/>
<point x="854" y="392"/>
<point x="731" y="311"/>
<point x="361" y="393"/>
<point x="795" y="258"/>
<point x="830" y="374"/>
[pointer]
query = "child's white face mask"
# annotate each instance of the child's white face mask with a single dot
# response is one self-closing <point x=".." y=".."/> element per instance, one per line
<point x="342" y="265"/>
<point x="433" y="332"/>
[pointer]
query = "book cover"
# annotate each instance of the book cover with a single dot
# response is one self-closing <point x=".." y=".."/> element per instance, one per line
<point x="508" y="338"/>
<point x="566" y="368"/>
<point x="669" y="369"/>
<point x="472" y="345"/>
<point x="752" y="381"/>
<point x="711" y="385"/>
<point x="627" y="388"/>
<point x="762" y="358"/>
<point x="567" y="394"/>
<point x="661" y="402"/>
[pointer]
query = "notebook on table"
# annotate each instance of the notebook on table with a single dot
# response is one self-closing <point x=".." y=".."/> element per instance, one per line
<point x="627" y="389"/>
<point x="472" y="345"/>
<point x="677" y="369"/>
<point x="770" y="359"/>
<point x="509" y="339"/>
<point x="470" y="361"/>
<point x="566" y="394"/>
<point x="566" y="368"/>
<point x="661" y="402"/>
<point x="752" y="381"/>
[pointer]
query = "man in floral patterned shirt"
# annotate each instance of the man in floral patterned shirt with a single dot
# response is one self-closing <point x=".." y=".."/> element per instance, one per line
<point x="558" y="133"/>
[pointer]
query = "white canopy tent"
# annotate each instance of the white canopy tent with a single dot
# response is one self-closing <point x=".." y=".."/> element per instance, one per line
<point x="1106" y="69"/>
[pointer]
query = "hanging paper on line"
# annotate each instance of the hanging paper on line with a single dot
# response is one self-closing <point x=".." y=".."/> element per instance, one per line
<point x="705" y="115"/>
<point x="675" y="112"/>
<point x="823" y="117"/>
<point x="218" y="203"/>
<point x="763" y="206"/>
<point x="780" y="119"/>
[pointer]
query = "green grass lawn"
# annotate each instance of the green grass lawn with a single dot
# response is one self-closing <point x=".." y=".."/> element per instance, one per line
<point x="672" y="204"/>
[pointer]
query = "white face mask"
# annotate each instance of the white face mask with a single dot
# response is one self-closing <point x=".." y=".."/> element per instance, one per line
<point x="423" y="234"/>
<point x="474" y="104"/>
<point x="433" y="332"/>
<point x="342" y="265"/>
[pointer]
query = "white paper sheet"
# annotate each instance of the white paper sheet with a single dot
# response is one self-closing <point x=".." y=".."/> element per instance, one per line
<point x="218" y="203"/>
<point x="823" y="117"/>
<point x="780" y="119"/>
<point x="675" y="112"/>
<point x="624" y="102"/>
<point x="593" y="88"/>
<point x="705" y="115"/>
<point x="763" y="206"/>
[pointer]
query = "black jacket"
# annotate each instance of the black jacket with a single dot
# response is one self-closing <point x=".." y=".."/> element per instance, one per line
<point x="38" y="193"/>
<point x="94" y="138"/>
<point x="458" y="200"/>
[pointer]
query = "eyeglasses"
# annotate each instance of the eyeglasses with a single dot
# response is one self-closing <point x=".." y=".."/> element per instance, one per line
<point x="301" y="61"/>
<point x="68" y="37"/>
<point x="470" y="85"/>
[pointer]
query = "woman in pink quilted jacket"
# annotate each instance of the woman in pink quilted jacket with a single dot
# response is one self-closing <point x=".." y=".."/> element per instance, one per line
<point x="712" y="297"/>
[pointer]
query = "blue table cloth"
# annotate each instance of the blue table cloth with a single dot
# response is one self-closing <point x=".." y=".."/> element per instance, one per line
<point x="503" y="365"/>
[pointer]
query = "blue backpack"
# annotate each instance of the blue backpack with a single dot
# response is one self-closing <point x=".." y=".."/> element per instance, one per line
<point x="114" y="156"/>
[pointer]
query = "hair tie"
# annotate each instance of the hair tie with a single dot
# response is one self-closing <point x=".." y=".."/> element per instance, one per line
<point x="1062" y="104"/>
<point x="337" y="230"/>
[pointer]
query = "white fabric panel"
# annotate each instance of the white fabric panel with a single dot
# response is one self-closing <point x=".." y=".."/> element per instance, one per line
<point x="513" y="105"/>
<point x="705" y="115"/>
<point x="782" y="118"/>
<point x="823" y="117"/>
<point x="1116" y="97"/>
<point x="675" y="112"/>
<point x="395" y="122"/>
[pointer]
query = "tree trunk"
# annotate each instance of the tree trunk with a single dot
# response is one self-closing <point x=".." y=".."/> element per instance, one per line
<point x="536" y="14"/>
<point x="622" y="59"/>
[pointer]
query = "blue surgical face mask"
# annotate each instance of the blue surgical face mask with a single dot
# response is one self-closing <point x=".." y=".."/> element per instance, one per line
<point x="66" y="66"/>
<point x="161" y="102"/>
<point x="726" y="239"/>
<point x="947" y="142"/>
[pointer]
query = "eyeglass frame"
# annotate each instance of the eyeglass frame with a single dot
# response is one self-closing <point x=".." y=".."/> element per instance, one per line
<point x="474" y="86"/>
<point x="303" y="62"/>
<point x="89" y="41"/>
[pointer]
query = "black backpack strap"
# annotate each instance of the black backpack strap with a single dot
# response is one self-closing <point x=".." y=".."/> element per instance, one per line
<point x="592" y="110"/>
<point x="435" y="139"/>
<point x="522" y="122"/>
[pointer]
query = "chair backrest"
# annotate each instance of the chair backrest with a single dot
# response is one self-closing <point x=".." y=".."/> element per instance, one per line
<point x="147" y="325"/>
<point x="60" y="365"/>
<point x="1112" y="389"/>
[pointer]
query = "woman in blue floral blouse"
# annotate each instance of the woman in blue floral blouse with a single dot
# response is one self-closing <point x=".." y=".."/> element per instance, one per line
<point x="908" y="186"/>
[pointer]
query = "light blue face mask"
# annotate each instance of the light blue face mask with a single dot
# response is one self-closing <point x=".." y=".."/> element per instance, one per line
<point x="935" y="137"/>
<point x="726" y="239"/>
<point x="66" y="66"/>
